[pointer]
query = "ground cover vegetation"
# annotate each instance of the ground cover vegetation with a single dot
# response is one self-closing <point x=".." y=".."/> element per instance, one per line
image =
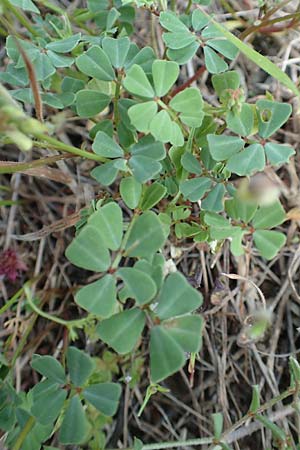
<point x="150" y="224"/>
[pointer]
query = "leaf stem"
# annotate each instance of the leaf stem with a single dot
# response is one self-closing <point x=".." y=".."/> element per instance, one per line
<point x="22" y="436"/>
<point x="46" y="141"/>
<point x="68" y="323"/>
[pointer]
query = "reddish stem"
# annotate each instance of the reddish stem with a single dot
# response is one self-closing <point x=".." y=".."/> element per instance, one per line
<point x="188" y="82"/>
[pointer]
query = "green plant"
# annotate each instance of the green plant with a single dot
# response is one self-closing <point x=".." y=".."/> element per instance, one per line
<point x="173" y="160"/>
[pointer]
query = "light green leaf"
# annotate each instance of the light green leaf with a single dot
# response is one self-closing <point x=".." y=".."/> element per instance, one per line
<point x="240" y="209"/>
<point x="75" y="426"/>
<point x="152" y="195"/>
<point x="116" y="50"/>
<point x="98" y="298"/>
<point x="140" y="285"/>
<point x="147" y="146"/>
<point x="199" y="20"/>
<point x="104" y="397"/>
<point x="60" y="60"/>
<point x="122" y="331"/>
<point x="190" y="104"/>
<point x="178" y="40"/>
<point x="223" y="81"/>
<point x="95" y="63"/>
<point x="271" y="116"/>
<point x="224" y="47"/>
<point x="49" y="367"/>
<point x="213" y="62"/>
<point x="194" y="188"/>
<point x="131" y="191"/>
<point x="142" y="114"/>
<point x="26" y="5"/>
<point x="137" y="82"/>
<point x="269" y="216"/>
<point x="104" y="145"/>
<point x="144" y="168"/>
<point x="278" y="153"/>
<point x="171" y="22"/>
<point x="108" y="221"/>
<point x="241" y="122"/>
<point x="223" y="147"/>
<point x="106" y="173"/>
<point x="177" y="297"/>
<point x="183" y="55"/>
<point x="260" y="60"/>
<point x="64" y="45"/>
<point x="89" y="102"/>
<point x="161" y="127"/>
<point x="166" y="356"/>
<point x="88" y="250"/>
<point x="80" y="366"/>
<point x="191" y="164"/>
<point x="186" y="331"/>
<point x="164" y="73"/>
<point x="236" y="242"/>
<point x="248" y="161"/>
<point x="146" y="236"/>
<point x="268" y="242"/>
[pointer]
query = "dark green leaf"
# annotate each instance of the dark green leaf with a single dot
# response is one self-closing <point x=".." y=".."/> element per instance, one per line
<point x="269" y="216"/>
<point x="64" y="45"/>
<point x="271" y="116"/>
<point x="140" y="285"/>
<point x="75" y="426"/>
<point x="146" y="236"/>
<point x="104" y="145"/>
<point x="152" y="195"/>
<point x="144" y="168"/>
<point x="108" y="221"/>
<point x="49" y="367"/>
<point x="89" y="102"/>
<point x="166" y="356"/>
<point x="194" y="188"/>
<point x="88" y="250"/>
<point x="248" y="161"/>
<point x="80" y="365"/>
<point x="116" y="50"/>
<point x="177" y="297"/>
<point x="268" y="242"/>
<point x="48" y="400"/>
<point x="222" y="147"/>
<point x="104" y="397"/>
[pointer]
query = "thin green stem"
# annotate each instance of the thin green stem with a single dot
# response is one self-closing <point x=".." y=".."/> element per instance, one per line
<point x="22" y="436"/>
<point x="116" y="101"/>
<point x="120" y="253"/>
<point x="46" y="141"/>
<point x="68" y="323"/>
<point x="21" y="18"/>
<point x="12" y="300"/>
<point x="52" y="7"/>
<point x="188" y="7"/>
